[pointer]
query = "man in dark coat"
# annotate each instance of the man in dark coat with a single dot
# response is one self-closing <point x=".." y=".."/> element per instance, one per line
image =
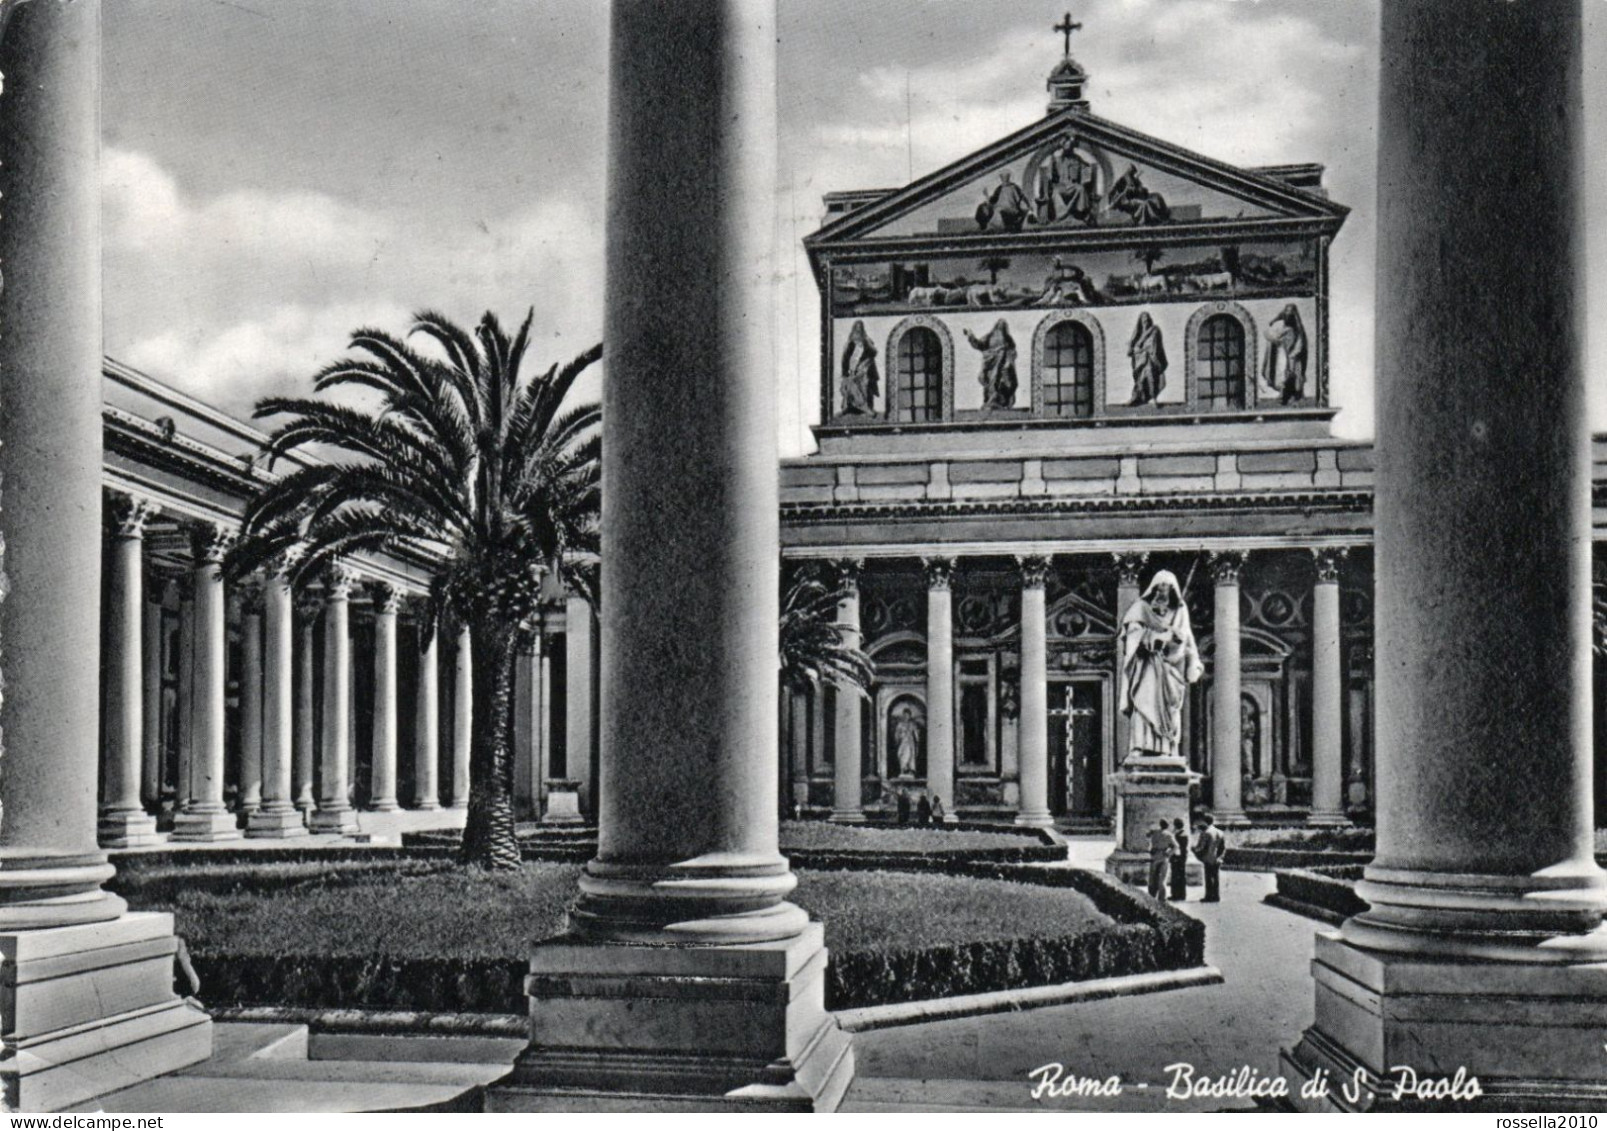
<point x="1180" y="862"/>
<point x="1209" y="847"/>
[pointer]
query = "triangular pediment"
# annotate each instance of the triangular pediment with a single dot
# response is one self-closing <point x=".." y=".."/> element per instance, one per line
<point x="1073" y="172"/>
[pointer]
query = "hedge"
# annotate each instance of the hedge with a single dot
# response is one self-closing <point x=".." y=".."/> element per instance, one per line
<point x="1327" y="892"/>
<point x="1274" y="859"/>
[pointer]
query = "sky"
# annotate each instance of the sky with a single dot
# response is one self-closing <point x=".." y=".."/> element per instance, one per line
<point x="279" y="173"/>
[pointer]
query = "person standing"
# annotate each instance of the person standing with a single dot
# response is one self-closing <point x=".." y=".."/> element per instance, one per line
<point x="1209" y="847"/>
<point x="1162" y="847"/>
<point x="1180" y="861"/>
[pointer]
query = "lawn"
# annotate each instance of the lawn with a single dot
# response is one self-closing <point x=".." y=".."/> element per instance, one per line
<point x="427" y="908"/>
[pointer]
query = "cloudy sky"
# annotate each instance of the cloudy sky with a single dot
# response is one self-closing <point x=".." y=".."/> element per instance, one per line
<point x="280" y="172"/>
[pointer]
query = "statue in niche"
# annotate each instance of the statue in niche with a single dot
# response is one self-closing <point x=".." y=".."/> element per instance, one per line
<point x="1159" y="661"/>
<point x="998" y="375"/>
<point x="1148" y="353"/>
<point x="860" y="380"/>
<point x="1067" y="185"/>
<point x="1249" y="738"/>
<point x="1128" y="195"/>
<point x="1007" y="202"/>
<point x="1283" y="369"/>
<point x="907" y="727"/>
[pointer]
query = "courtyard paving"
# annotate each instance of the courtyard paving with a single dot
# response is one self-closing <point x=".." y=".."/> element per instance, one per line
<point x="963" y="1064"/>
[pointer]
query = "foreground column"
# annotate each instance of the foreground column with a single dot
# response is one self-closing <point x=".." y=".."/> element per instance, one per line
<point x="88" y="1003"/>
<point x="1034" y="764"/>
<point x="940" y="683"/>
<point x="462" y="722"/>
<point x="382" y="782"/>
<point x="724" y="1008"/>
<point x="278" y="816"/>
<point x="123" y="820"/>
<point x="1483" y="946"/>
<point x="335" y="815"/>
<point x="427" y="733"/>
<point x="847" y="722"/>
<point x="1327" y="695"/>
<point x="207" y="817"/>
<point x="1226" y="721"/>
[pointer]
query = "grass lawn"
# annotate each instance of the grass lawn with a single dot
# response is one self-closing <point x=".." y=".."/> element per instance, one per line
<point x="435" y="909"/>
<point x="822" y="835"/>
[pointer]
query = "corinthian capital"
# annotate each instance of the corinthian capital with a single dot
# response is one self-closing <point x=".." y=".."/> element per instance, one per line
<point x="387" y="598"/>
<point x="129" y="513"/>
<point x="1129" y="567"/>
<point x="339" y="579"/>
<point x="1227" y="565"/>
<point x="1034" y="570"/>
<point x="939" y="572"/>
<point x="1329" y="559"/>
<point x="848" y="571"/>
<point x="209" y="541"/>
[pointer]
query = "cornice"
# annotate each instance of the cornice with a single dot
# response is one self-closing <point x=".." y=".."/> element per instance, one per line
<point x="1327" y="501"/>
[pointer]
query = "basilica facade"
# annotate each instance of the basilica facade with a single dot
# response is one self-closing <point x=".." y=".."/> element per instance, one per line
<point x="1048" y="370"/>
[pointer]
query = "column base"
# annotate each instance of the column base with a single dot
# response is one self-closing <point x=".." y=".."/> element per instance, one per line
<point x="128" y="829"/>
<point x="1528" y="1034"/>
<point x="618" y="1027"/>
<point x="91" y="1009"/>
<point x="847" y="817"/>
<point x="206" y="825"/>
<point x="425" y="806"/>
<point x="333" y="822"/>
<point x="1035" y="820"/>
<point x="387" y="805"/>
<point x="280" y="824"/>
<point x="1230" y="818"/>
<point x="1328" y="819"/>
<point x="563" y="808"/>
<point x="306" y="805"/>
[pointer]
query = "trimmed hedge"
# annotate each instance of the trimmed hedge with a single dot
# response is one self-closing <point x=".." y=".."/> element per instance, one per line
<point x="1327" y="892"/>
<point x="1274" y="859"/>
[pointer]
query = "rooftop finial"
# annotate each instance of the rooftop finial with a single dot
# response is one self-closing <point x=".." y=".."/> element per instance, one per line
<point x="1065" y="27"/>
<point x="1067" y="79"/>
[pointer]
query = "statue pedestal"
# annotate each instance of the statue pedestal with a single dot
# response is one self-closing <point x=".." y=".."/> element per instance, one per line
<point x="1528" y="1032"/>
<point x="1148" y="789"/>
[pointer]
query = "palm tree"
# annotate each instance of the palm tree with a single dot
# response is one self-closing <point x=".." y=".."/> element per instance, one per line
<point x="812" y="645"/>
<point x="464" y="462"/>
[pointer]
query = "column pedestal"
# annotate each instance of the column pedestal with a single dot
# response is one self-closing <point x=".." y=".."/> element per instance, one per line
<point x="1148" y="789"/>
<point x="563" y="804"/>
<point x="656" y="1028"/>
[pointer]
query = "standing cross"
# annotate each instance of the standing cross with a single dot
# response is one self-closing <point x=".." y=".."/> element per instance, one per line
<point x="1072" y="713"/>
<point x="1065" y="27"/>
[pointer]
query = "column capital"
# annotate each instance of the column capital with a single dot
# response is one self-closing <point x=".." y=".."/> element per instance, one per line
<point x="209" y="541"/>
<point x="1034" y="570"/>
<point x="1227" y="565"/>
<point x="339" y="579"/>
<point x="309" y="605"/>
<point x="1129" y="567"/>
<point x="847" y="571"/>
<point x="129" y="513"/>
<point x="283" y="564"/>
<point x="939" y="572"/>
<point x="387" y="597"/>
<point x="1328" y="560"/>
<point x="248" y="591"/>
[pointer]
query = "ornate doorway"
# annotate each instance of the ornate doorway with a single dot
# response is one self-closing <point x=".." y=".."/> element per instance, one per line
<point x="1076" y="748"/>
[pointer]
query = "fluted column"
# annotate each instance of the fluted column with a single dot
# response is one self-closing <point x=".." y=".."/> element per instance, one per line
<point x="1226" y="691"/>
<point x="940" y="682"/>
<point x="277" y="816"/>
<point x="207" y="818"/>
<point x="1327" y="695"/>
<point x="462" y="721"/>
<point x="427" y="732"/>
<point x="250" y="798"/>
<point x="335" y="815"/>
<point x="382" y="779"/>
<point x="847" y="723"/>
<point x="123" y="820"/>
<point x="1129" y="567"/>
<point x="1034" y="758"/>
<point x="304" y="735"/>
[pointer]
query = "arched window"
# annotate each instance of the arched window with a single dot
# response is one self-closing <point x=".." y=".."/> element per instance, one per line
<point x="1068" y="370"/>
<point x="1220" y="369"/>
<point x="920" y="376"/>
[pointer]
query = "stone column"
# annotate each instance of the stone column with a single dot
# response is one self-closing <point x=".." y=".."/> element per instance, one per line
<point x="725" y="1009"/>
<point x="427" y="732"/>
<point x="89" y="1005"/>
<point x="1327" y="695"/>
<point x="183" y="789"/>
<point x="544" y="719"/>
<point x="1034" y="733"/>
<point x="1483" y="945"/>
<point x="579" y="737"/>
<point x="848" y="725"/>
<point x="123" y="820"/>
<point x="1129" y="568"/>
<point x="382" y="780"/>
<point x="1226" y="728"/>
<point x="304" y="737"/>
<point x="207" y="818"/>
<point x="151" y="646"/>
<point x="250" y="698"/>
<point x="335" y="815"/>
<point x="278" y="816"/>
<point x="462" y="721"/>
<point x="940" y="683"/>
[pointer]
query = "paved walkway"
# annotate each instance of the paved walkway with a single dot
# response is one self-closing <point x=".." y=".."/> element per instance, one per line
<point x="965" y="1064"/>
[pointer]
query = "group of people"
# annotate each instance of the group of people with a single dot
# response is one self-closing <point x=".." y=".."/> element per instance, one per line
<point x="1169" y="858"/>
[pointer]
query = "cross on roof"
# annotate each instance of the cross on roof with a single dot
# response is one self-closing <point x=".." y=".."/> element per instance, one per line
<point x="1065" y="27"/>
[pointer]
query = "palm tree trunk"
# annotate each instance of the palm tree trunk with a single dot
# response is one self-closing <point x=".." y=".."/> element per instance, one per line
<point x="488" y="834"/>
